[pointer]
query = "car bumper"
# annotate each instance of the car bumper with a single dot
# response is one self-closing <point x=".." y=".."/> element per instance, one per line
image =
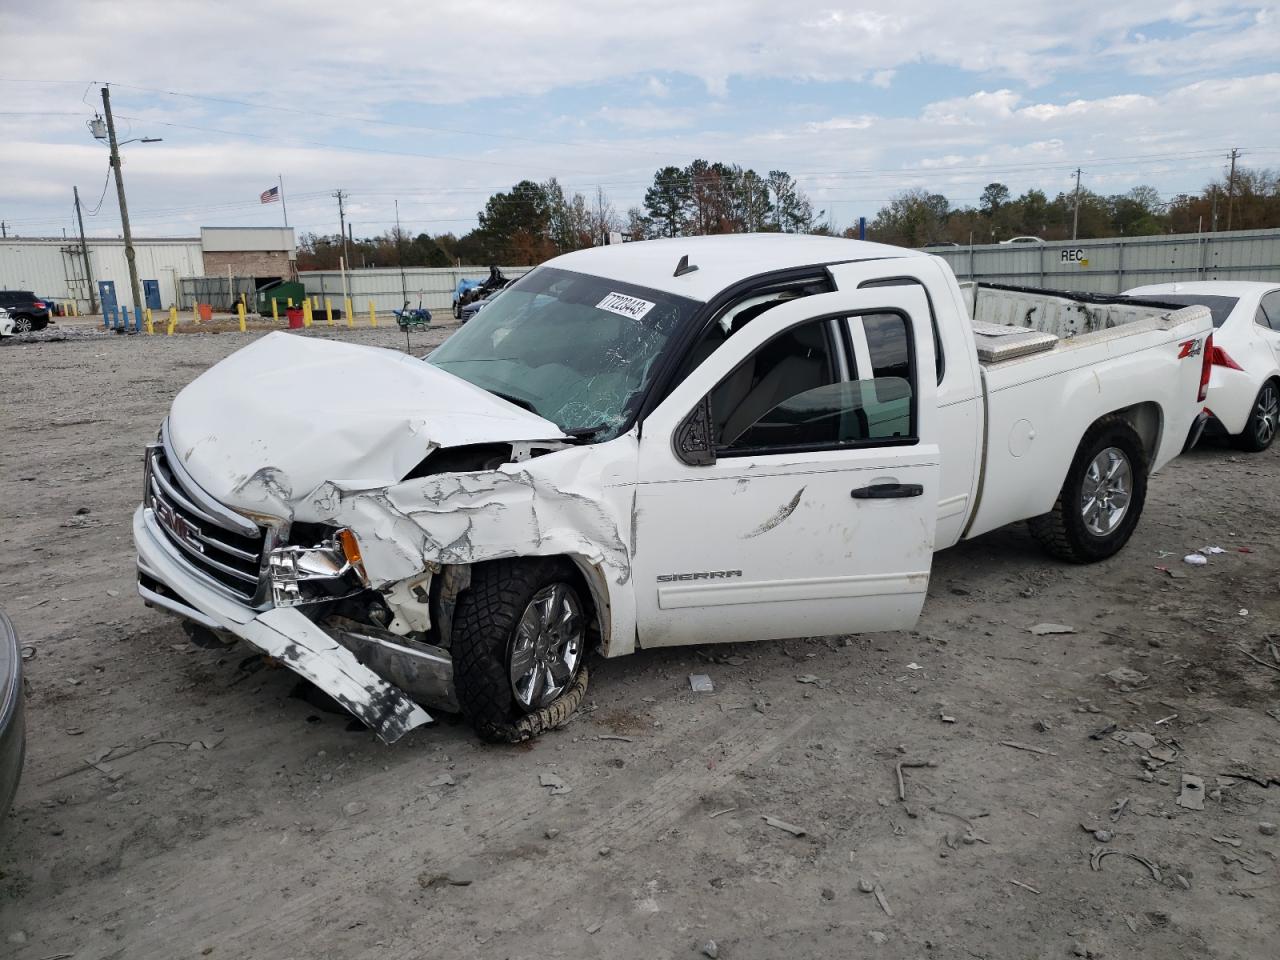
<point x="331" y="661"/>
<point x="1197" y="430"/>
<point x="12" y="715"/>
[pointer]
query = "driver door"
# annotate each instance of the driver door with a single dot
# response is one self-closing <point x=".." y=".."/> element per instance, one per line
<point x="788" y="487"/>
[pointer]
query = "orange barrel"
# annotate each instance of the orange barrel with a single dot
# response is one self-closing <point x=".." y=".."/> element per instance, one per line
<point x="295" y="318"/>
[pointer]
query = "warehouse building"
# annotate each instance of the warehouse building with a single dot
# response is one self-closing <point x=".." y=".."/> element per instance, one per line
<point x="54" y="268"/>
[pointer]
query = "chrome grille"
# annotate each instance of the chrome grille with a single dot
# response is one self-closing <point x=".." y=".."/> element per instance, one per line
<point x="223" y="546"/>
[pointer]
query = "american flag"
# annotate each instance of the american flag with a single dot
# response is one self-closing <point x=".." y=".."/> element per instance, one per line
<point x="270" y="196"/>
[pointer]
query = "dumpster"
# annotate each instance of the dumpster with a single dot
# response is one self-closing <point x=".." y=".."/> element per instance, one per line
<point x="281" y="292"/>
<point x="295" y="317"/>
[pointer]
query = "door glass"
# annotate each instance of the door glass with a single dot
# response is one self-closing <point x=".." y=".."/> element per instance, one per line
<point x="789" y="396"/>
<point x="1271" y="307"/>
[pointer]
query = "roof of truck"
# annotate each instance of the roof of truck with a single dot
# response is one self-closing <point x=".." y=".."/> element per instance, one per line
<point x="721" y="260"/>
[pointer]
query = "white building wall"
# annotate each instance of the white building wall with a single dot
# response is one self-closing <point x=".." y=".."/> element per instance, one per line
<point x="54" y="268"/>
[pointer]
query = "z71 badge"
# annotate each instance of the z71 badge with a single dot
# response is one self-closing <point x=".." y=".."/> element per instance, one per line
<point x="702" y="575"/>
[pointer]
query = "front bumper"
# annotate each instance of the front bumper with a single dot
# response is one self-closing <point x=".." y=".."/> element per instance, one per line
<point x="166" y="581"/>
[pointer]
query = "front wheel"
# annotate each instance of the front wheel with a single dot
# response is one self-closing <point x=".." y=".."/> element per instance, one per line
<point x="22" y="325"/>
<point x="520" y="638"/>
<point x="1101" y="498"/>
<point x="1264" y="418"/>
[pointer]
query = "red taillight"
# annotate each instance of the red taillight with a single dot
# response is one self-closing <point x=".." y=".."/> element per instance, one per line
<point x="1206" y="367"/>
<point x="1220" y="358"/>
<point x="39" y="305"/>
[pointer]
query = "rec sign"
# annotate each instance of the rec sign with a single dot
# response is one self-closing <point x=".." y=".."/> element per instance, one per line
<point x="1074" y="255"/>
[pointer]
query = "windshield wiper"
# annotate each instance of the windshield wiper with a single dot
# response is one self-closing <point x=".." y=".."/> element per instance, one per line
<point x="586" y="433"/>
<point x="512" y="398"/>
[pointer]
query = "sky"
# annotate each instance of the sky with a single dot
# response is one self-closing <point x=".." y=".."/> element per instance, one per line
<point x="438" y="105"/>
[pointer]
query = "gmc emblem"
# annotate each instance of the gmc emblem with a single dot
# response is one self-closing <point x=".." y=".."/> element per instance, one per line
<point x="177" y="525"/>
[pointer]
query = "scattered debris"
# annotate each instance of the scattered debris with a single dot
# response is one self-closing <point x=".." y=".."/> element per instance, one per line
<point x="1030" y="749"/>
<point x="1258" y="660"/>
<point x="1136" y="738"/>
<point x="914" y="666"/>
<point x="701" y="683"/>
<point x="551" y="833"/>
<point x="1025" y="886"/>
<point x="711" y="949"/>
<point x="1192" y="795"/>
<point x="1262" y="780"/>
<point x="1229" y="841"/>
<point x="1267" y="829"/>
<point x="594" y="927"/>
<point x="1118" y="808"/>
<point x="808" y="678"/>
<point x="866" y="886"/>
<point x="444" y="780"/>
<point x="1124" y="676"/>
<point x="557" y="785"/>
<point x="1100" y="853"/>
<point x="1171" y="717"/>
<point x="612" y="736"/>
<point x="605" y="851"/>
<point x="1102" y="836"/>
<point x="721" y="813"/>
<point x="828" y="893"/>
<point x="1048" y="629"/>
<point x="882" y="900"/>
<point x="1247" y="865"/>
<point x="790" y="828"/>
<point x="1110" y="728"/>
<point x="1211" y="551"/>
<point x="354" y="808"/>
<point x="1195" y="559"/>
<point x="946" y="719"/>
<point x="908" y="765"/>
<point x="878" y="936"/>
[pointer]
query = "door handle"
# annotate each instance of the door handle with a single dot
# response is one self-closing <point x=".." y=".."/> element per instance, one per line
<point x="887" y="491"/>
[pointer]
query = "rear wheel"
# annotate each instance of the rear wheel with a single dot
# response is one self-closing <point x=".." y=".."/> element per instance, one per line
<point x="1264" y="419"/>
<point x="520" y="639"/>
<point x="1101" y="498"/>
<point x="22" y="325"/>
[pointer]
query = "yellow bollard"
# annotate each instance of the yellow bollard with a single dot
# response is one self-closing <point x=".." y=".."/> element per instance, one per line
<point x="173" y="321"/>
<point x="351" y="320"/>
<point x="328" y="310"/>
<point x="290" y="303"/>
<point x="373" y="317"/>
<point x="75" y="309"/>
<point x="275" y="310"/>
<point x="240" y="310"/>
<point x="195" y="311"/>
<point x="150" y="326"/>
<point x="306" y="313"/>
<point x="315" y="304"/>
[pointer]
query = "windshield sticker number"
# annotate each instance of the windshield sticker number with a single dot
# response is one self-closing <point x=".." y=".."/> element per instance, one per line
<point x="626" y="306"/>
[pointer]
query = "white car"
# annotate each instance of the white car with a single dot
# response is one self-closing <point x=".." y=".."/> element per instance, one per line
<point x="6" y="323"/>
<point x="1022" y="240"/>
<point x="1244" y="388"/>
<point x="688" y="441"/>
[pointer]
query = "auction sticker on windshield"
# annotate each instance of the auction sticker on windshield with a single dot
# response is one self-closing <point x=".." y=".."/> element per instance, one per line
<point x="620" y="303"/>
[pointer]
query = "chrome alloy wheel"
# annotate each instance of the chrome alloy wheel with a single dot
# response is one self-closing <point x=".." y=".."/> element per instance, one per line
<point x="548" y="646"/>
<point x="1266" y="415"/>
<point x="1105" y="493"/>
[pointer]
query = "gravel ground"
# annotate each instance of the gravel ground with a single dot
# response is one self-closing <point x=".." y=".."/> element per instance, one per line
<point x="180" y="802"/>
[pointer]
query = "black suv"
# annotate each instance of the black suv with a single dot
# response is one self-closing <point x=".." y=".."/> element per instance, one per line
<point x="29" y="312"/>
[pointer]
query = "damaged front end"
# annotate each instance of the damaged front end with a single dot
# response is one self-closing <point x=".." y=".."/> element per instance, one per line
<point x="339" y="544"/>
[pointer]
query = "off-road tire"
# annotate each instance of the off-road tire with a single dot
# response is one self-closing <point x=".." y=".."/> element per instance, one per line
<point x="486" y="617"/>
<point x="1247" y="439"/>
<point x="1061" y="532"/>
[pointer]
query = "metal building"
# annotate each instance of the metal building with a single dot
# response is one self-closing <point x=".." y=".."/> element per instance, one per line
<point x="54" y="268"/>
<point x="1117" y="264"/>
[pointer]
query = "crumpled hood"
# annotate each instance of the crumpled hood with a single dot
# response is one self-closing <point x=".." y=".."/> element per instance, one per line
<point x="272" y="422"/>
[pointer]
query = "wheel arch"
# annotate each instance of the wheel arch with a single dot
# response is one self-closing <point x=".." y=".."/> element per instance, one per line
<point x="1147" y="421"/>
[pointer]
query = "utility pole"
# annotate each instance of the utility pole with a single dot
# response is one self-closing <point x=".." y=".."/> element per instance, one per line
<point x="1213" y="212"/>
<point x="340" y="196"/>
<point x="1075" y="214"/>
<point x="84" y="253"/>
<point x="124" y="210"/>
<point x="1231" y="186"/>
<point x="4" y="231"/>
<point x="404" y="287"/>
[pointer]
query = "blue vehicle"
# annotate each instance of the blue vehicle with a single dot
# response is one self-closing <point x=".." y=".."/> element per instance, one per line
<point x="460" y="295"/>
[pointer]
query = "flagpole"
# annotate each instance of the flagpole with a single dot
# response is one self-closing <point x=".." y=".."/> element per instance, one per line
<point x="284" y="207"/>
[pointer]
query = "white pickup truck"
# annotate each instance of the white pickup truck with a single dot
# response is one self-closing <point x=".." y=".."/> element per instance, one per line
<point x="683" y="441"/>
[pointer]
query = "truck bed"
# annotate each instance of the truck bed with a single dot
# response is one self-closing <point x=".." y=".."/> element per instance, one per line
<point x="1011" y="323"/>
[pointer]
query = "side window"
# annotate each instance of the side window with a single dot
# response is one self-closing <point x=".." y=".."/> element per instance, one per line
<point x="789" y="395"/>
<point x="1271" y="306"/>
<point x="938" y="358"/>
<point x="1261" y="319"/>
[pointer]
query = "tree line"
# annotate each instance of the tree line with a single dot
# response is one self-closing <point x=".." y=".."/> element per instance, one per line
<point x="916" y="217"/>
<point x="533" y="222"/>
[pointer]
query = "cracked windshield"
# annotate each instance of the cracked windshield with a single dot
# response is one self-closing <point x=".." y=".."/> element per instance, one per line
<point x="575" y="349"/>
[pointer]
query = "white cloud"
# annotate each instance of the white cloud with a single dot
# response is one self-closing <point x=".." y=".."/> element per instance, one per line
<point x="883" y="78"/>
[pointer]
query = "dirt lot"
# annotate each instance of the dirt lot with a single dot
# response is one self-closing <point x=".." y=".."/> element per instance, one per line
<point x="233" y="819"/>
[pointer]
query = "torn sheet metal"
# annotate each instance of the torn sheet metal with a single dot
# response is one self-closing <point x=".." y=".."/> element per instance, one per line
<point x="346" y="414"/>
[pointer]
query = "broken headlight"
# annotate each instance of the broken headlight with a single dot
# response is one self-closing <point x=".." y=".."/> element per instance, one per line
<point x="328" y="571"/>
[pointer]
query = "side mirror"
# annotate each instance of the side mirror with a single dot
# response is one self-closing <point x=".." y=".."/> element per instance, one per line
<point x="692" y="439"/>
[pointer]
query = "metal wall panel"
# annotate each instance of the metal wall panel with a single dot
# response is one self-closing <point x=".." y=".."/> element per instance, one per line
<point x="434" y="286"/>
<point x="55" y="269"/>
<point x="1115" y="265"/>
